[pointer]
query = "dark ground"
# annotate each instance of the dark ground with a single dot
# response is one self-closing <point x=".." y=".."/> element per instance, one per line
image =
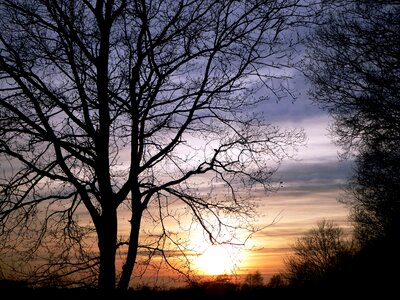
<point x="14" y="291"/>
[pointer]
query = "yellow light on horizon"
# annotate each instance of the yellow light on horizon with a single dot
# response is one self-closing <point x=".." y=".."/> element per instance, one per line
<point x="218" y="260"/>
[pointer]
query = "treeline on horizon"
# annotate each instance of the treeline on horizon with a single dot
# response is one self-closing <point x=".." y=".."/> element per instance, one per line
<point x="325" y="259"/>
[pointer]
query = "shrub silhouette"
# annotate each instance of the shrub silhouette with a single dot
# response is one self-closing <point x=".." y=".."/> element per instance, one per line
<point x="319" y="257"/>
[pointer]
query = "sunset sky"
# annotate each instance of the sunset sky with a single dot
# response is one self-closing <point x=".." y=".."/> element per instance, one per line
<point x="156" y="144"/>
<point x="312" y="184"/>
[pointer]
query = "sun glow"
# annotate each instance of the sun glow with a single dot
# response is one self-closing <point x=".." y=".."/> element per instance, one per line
<point x="218" y="259"/>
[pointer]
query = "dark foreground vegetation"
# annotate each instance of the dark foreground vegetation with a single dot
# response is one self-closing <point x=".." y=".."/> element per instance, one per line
<point x="217" y="291"/>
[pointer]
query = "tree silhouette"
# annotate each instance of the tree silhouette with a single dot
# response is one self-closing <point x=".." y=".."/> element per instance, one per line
<point x="277" y="281"/>
<point x="355" y="71"/>
<point x="114" y="106"/>
<point x="353" y="65"/>
<point x="317" y="255"/>
<point x="373" y="195"/>
<point x="254" y="280"/>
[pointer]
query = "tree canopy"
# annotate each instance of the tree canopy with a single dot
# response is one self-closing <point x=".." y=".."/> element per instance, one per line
<point x="136" y="106"/>
<point x="354" y="68"/>
<point x="353" y="65"/>
<point x="317" y="255"/>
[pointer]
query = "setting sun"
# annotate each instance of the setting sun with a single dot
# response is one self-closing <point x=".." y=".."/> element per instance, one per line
<point x="217" y="260"/>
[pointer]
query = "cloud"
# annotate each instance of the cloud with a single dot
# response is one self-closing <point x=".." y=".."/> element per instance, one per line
<point x="325" y="175"/>
<point x="309" y="194"/>
<point x="294" y="108"/>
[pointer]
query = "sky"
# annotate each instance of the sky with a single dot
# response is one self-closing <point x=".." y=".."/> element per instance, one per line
<point x="312" y="183"/>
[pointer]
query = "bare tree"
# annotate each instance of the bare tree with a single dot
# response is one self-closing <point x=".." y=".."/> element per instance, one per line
<point x="277" y="281"/>
<point x="317" y="254"/>
<point x="372" y="195"/>
<point x="353" y="65"/>
<point x="254" y="280"/>
<point x="114" y="106"/>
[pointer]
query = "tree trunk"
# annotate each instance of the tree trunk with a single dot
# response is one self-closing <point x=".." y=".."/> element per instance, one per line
<point x="107" y="235"/>
<point x="127" y="269"/>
